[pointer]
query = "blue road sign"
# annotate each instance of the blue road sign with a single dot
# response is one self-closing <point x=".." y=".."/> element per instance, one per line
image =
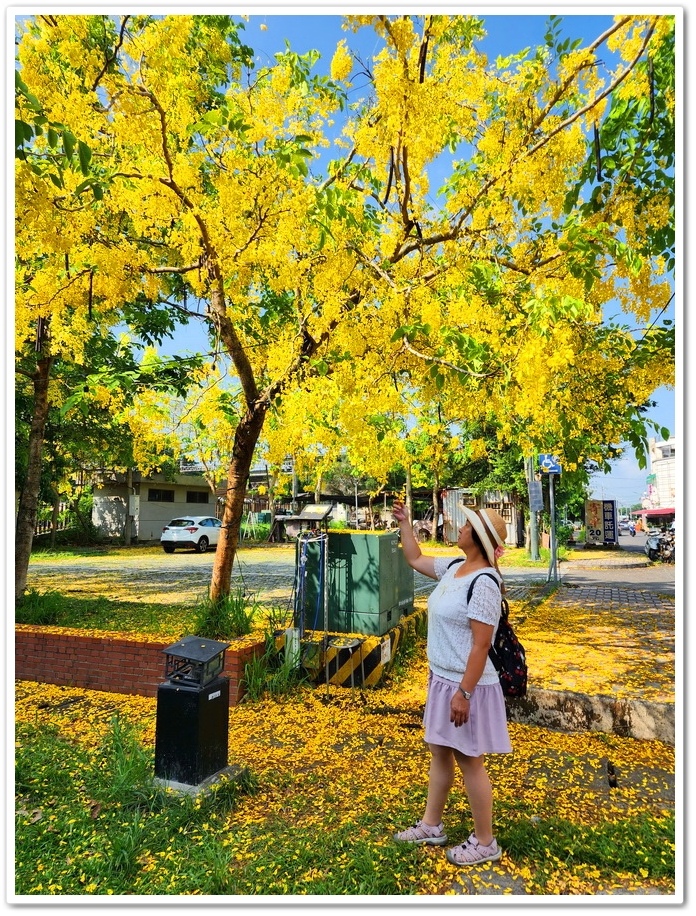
<point x="548" y="464"/>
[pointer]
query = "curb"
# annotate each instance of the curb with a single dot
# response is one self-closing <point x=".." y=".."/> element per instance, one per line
<point x="575" y="712"/>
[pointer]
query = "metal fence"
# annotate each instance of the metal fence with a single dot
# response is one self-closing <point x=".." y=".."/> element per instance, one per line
<point x="45" y="519"/>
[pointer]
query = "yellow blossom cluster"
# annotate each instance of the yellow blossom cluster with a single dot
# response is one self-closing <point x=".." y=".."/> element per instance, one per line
<point x="341" y="62"/>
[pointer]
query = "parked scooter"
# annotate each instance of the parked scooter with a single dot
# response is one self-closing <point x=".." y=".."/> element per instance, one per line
<point x="652" y="544"/>
<point x="666" y="552"/>
<point x="659" y="545"/>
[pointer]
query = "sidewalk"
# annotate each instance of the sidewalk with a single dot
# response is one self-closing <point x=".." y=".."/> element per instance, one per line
<point x="600" y="658"/>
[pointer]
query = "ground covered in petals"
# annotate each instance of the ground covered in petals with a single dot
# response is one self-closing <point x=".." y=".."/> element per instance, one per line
<point x="325" y="777"/>
<point x="322" y="777"/>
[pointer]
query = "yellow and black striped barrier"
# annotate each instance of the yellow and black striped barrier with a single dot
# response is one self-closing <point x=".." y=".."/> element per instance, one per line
<point x="351" y="659"/>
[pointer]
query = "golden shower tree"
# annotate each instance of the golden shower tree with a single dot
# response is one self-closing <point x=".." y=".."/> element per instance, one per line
<point x="211" y="180"/>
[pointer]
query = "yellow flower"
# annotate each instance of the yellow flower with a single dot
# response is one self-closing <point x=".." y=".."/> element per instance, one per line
<point x="342" y="62"/>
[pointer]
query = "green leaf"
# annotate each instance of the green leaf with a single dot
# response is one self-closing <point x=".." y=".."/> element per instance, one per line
<point x="69" y="143"/>
<point x="83" y="185"/>
<point x="85" y="155"/>
<point x="23" y="132"/>
<point x="23" y="90"/>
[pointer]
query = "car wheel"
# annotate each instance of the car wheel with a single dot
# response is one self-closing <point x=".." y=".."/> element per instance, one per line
<point x="652" y="554"/>
<point x="168" y="548"/>
<point x="202" y="545"/>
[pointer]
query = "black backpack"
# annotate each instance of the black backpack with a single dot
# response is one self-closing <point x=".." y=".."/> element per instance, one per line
<point x="507" y="652"/>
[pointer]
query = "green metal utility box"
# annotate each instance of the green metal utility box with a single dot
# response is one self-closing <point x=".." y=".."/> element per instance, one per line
<point x="370" y="584"/>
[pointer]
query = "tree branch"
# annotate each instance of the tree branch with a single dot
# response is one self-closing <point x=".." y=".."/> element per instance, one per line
<point x="110" y="59"/>
<point x="406" y="345"/>
<point x="344" y="165"/>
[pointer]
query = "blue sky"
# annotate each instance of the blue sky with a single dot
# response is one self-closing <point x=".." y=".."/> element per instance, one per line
<point x="508" y="31"/>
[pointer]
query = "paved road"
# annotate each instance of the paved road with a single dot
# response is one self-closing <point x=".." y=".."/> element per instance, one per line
<point x="271" y="570"/>
<point x="630" y="570"/>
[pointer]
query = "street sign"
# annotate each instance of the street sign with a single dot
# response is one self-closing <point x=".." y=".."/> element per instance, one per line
<point x="536" y="496"/>
<point x="549" y="464"/>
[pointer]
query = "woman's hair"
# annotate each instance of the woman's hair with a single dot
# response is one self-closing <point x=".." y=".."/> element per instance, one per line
<point x="477" y="540"/>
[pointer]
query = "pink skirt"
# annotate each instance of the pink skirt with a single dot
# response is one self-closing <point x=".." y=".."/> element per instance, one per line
<point x="486" y="732"/>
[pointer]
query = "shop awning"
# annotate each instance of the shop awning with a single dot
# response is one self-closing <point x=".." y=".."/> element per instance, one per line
<point x="651" y="513"/>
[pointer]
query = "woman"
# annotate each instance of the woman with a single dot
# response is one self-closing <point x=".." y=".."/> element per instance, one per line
<point x="465" y="714"/>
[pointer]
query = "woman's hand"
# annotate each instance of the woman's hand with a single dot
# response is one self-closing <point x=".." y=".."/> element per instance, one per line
<point x="412" y="552"/>
<point x="459" y="709"/>
<point x="400" y="512"/>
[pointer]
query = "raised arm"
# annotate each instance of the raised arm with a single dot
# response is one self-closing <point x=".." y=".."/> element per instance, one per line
<point x="412" y="552"/>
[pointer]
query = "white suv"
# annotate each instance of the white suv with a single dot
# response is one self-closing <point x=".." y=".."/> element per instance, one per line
<point x="193" y="531"/>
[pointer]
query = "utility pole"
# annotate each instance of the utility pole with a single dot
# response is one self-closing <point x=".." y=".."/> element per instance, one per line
<point x="294" y="487"/>
<point x="553" y="567"/>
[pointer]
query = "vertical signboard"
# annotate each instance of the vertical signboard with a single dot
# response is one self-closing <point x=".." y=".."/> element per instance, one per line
<point x="601" y="522"/>
<point x="594" y="521"/>
<point x="610" y="521"/>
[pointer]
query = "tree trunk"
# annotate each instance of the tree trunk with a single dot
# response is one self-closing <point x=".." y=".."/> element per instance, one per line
<point x="54" y="519"/>
<point x="245" y="438"/>
<point x="127" y="536"/>
<point x="436" y="507"/>
<point x="29" y="500"/>
<point x="317" y="491"/>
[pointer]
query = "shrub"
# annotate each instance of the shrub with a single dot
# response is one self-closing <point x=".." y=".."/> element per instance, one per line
<point x="564" y="533"/>
<point x="271" y="673"/>
<point x="40" y="609"/>
<point x="258" y="532"/>
<point x="226" y="617"/>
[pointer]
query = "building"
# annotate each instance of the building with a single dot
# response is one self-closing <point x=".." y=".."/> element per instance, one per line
<point x="148" y="503"/>
<point x="662" y="481"/>
<point x="453" y="499"/>
<point x="659" y="498"/>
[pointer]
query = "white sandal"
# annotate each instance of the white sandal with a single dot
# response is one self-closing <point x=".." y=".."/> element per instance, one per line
<point x="422" y="834"/>
<point x="472" y="852"/>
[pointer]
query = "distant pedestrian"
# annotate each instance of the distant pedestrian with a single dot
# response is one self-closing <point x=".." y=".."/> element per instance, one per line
<point x="465" y="716"/>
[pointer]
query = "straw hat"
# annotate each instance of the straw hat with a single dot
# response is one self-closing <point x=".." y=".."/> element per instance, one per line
<point x="490" y="527"/>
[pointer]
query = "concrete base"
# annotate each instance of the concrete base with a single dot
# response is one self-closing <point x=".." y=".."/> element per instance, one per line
<point x="575" y="712"/>
<point x="229" y="772"/>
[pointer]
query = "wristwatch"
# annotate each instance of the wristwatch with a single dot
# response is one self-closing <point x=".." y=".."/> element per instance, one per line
<point x="467" y="695"/>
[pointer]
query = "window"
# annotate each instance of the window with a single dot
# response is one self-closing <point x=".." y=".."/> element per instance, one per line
<point x="503" y="509"/>
<point x="196" y="496"/>
<point x="160" y="496"/>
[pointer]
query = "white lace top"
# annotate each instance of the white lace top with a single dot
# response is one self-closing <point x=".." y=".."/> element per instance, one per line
<point x="449" y="631"/>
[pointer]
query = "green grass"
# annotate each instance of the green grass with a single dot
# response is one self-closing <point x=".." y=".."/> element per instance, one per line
<point x="236" y="615"/>
<point x="51" y="608"/>
<point x="93" y="822"/>
<point x="66" y="553"/>
<point x="642" y="844"/>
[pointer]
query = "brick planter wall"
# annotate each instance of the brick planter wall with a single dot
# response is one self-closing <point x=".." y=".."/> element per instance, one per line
<point x="113" y="664"/>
